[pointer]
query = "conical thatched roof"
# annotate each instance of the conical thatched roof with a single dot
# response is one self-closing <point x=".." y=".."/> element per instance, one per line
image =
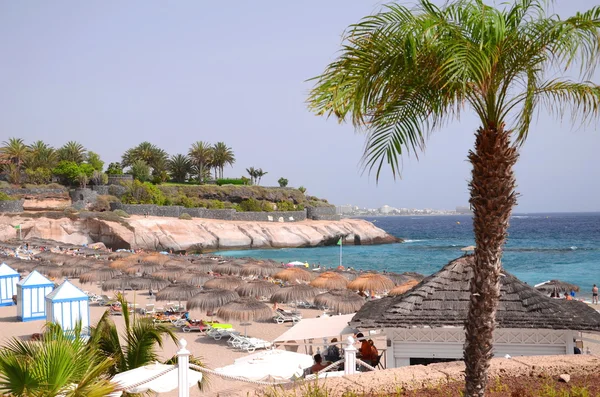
<point x="211" y="299"/>
<point x="371" y="282"/>
<point x="556" y="285"/>
<point x="134" y="283"/>
<point x="442" y="299"/>
<point x="177" y="291"/>
<point x="403" y="278"/>
<point x="96" y="275"/>
<point x="227" y="268"/>
<point x="293" y="275"/>
<point x="340" y="301"/>
<point x="226" y="282"/>
<point x="257" y="289"/>
<point x="294" y="293"/>
<point x="402" y="288"/>
<point x="245" y="309"/>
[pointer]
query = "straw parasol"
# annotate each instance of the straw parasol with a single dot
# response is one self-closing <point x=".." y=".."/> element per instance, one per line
<point x="156" y="258"/>
<point x="294" y="293"/>
<point x="402" y="288"/>
<point x="195" y="278"/>
<point x="373" y="282"/>
<point x="257" y="289"/>
<point x="171" y="274"/>
<point x="330" y="280"/>
<point x="245" y="309"/>
<point x="294" y="274"/>
<point x="143" y="268"/>
<point x="226" y="282"/>
<point x="258" y="269"/>
<point x="340" y="301"/>
<point x="97" y="275"/>
<point x="211" y="299"/>
<point x="134" y="283"/>
<point x="348" y="274"/>
<point x="177" y="291"/>
<point x="403" y="278"/>
<point x="556" y="286"/>
<point x="228" y="268"/>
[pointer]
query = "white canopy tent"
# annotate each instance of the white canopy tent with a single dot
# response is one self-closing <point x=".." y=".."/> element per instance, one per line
<point x="133" y="381"/>
<point x="270" y="365"/>
<point x="315" y="328"/>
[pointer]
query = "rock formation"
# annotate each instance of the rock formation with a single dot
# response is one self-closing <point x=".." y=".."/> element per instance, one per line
<point x="160" y="233"/>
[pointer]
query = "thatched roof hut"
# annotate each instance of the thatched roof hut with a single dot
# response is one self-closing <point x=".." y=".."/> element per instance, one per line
<point x="294" y="293"/>
<point x="442" y="299"/>
<point x="257" y="289"/>
<point x="211" y="299"/>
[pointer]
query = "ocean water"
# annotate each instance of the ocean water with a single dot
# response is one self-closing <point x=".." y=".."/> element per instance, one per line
<point x="540" y="247"/>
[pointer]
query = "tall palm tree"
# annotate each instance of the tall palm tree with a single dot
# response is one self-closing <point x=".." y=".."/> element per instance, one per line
<point x="405" y="72"/>
<point x="62" y="363"/>
<point x="201" y="154"/>
<point x="150" y="154"/>
<point x="72" y="151"/>
<point x="140" y="340"/>
<point x="41" y="155"/>
<point x="180" y="167"/>
<point x="222" y="156"/>
<point x="259" y="174"/>
<point x="252" y="172"/>
<point x="15" y="151"/>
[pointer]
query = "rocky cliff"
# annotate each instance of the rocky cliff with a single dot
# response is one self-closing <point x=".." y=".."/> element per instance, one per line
<point x="158" y="233"/>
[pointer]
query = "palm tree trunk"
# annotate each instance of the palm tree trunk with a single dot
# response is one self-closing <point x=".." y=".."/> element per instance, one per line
<point x="492" y="199"/>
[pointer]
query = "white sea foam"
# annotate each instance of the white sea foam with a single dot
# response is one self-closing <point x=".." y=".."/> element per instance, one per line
<point x="412" y="241"/>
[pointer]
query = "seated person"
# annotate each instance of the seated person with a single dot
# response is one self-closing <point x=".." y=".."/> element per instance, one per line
<point x="374" y="353"/>
<point x="333" y="352"/>
<point x="318" y="365"/>
<point x="364" y="352"/>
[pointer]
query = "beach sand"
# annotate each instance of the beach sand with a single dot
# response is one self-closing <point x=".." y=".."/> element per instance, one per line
<point x="215" y="354"/>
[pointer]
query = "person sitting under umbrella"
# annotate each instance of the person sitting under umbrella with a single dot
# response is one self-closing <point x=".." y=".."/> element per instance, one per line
<point x="332" y="353"/>
<point x="318" y="365"/>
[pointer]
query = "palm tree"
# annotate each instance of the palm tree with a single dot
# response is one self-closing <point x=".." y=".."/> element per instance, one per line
<point x="72" y="151"/>
<point x="405" y="72"/>
<point x="15" y="151"/>
<point x="259" y="174"/>
<point x="141" y="337"/>
<point x="179" y="167"/>
<point x="41" y="155"/>
<point x="222" y="156"/>
<point x="201" y="154"/>
<point x="155" y="157"/>
<point x="252" y="172"/>
<point x="62" y="363"/>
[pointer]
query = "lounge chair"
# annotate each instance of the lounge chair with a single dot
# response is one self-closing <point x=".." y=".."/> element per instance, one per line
<point x="282" y="316"/>
<point x="104" y="300"/>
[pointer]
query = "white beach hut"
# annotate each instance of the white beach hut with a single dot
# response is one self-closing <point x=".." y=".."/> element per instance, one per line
<point x="9" y="278"/>
<point x="31" y="292"/>
<point x="66" y="305"/>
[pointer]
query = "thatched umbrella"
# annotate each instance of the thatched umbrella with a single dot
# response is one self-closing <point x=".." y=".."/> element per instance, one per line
<point x="403" y="278"/>
<point x="245" y="309"/>
<point x="557" y="286"/>
<point x="134" y="283"/>
<point x="195" y="278"/>
<point x="227" y="268"/>
<point x="171" y="274"/>
<point x="124" y="263"/>
<point x="294" y="274"/>
<point x="96" y="275"/>
<point x="177" y="291"/>
<point x="156" y="258"/>
<point x="348" y="274"/>
<point x="143" y="268"/>
<point x="340" y="301"/>
<point x="257" y="289"/>
<point x="402" y="288"/>
<point x="211" y="299"/>
<point x="119" y="255"/>
<point x="294" y="293"/>
<point x="258" y="269"/>
<point x="226" y="282"/>
<point x="373" y="282"/>
<point x="330" y="280"/>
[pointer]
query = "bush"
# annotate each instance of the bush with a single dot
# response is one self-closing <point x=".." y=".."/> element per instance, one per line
<point x="302" y="189"/>
<point x="185" y="216"/>
<point x="140" y="170"/>
<point x="69" y="171"/>
<point x="286" y="206"/>
<point x="232" y="181"/>
<point x="282" y="182"/>
<point x="121" y="213"/>
<point x="114" y="169"/>
<point x="142" y="193"/>
<point x="5" y="197"/>
<point x="253" y="205"/>
<point x="39" y="175"/>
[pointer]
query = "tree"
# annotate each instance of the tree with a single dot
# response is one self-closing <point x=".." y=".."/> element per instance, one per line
<point x="114" y="169"/>
<point x="259" y="174"/>
<point x="94" y="160"/>
<point x="302" y="189"/>
<point x="140" y="340"/>
<point x="252" y="172"/>
<point x="282" y="182"/>
<point x="152" y="155"/>
<point x="222" y="155"/>
<point x="180" y="166"/>
<point x="72" y="151"/>
<point x="62" y="363"/>
<point x="99" y="178"/>
<point x="137" y="192"/>
<point x="140" y="170"/>
<point x="201" y="154"/>
<point x="405" y="72"/>
<point x="69" y="171"/>
<point x="41" y="155"/>
<point x="83" y="180"/>
<point x="14" y="151"/>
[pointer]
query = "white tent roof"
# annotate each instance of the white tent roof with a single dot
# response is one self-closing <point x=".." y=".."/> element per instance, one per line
<point x="6" y="270"/>
<point x="269" y="365"/>
<point x="322" y="327"/>
<point x="66" y="291"/>
<point x="35" y="278"/>
<point x="161" y="384"/>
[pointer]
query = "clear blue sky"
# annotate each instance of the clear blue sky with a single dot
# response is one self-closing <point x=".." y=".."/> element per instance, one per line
<point x="111" y="74"/>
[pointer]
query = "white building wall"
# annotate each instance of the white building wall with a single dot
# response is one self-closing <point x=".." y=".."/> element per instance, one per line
<point x="66" y="314"/>
<point x="449" y="343"/>
<point x="8" y="288"/>
<point x="31" y="301"/>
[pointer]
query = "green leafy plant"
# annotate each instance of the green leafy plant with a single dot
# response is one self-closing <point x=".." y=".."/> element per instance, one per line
<point x="114" y="169"/>
<point x="302" y="189"/>
<point x="38" y="176"/>
<point x="5" y="197"/>
<point x="121" y="213"/>
<point x="185" y="216"/>
<point x="282" y="182"/>
<point x="232" y="181"/>
<point x="142" y="193"/>
<point x="140" y="170"/>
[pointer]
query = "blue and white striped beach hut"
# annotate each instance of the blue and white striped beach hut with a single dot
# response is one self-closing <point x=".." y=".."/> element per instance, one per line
<point x="66" y="305"/>
<point x="9" y="278"/>
<point x="31" y="292"/>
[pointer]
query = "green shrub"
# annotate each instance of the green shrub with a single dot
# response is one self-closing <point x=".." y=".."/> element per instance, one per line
<point x="142" y="193"/>
<point x="39" y="175"/>
<point x="253" y="205"/>
<point x="185" y="216"/>
<point x="215" y="205"/>
<point x="114" y="169"/>
<point x="283" y="182"/>
<point x="232" y="181"/>
<point x="4" y="184"/>
<point x="5" y="197"/>
<point x="121" y="213"/>
<point x="302" y="189"/>
<point x="286" y="206"/>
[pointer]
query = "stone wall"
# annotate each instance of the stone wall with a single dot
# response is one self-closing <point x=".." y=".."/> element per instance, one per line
<point x="83" y="197"/>
<point x="174" y="211"/>
<point x="102" y="190"/>
<point x="34" y="191"/>
<point x="322" y="213"/>
<point x="117" y="179"/>
<point x="11" y="206"/>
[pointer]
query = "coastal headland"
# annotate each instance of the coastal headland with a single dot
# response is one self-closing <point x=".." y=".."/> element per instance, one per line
<point x="194" y="235"/>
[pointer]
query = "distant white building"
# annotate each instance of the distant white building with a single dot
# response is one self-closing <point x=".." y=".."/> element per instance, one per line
<point x="386" y="209"/>
<point x="344" y="209"/>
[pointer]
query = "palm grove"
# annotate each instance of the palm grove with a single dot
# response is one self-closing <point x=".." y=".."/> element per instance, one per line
<point x="404" y="73"/>
<point x="73" y="164"/>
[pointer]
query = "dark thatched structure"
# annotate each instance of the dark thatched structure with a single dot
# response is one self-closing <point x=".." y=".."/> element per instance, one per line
<point x="556" y="286"/>
<point x="211" y="299"/>
<point x="245" y="309"/>
<point x="177" y="291"/>
<point x="257" y="289"/>
<point x="442" y="299"/>
<point x="225" y="282"/>
<point x="294" y="293"/>
<point x="340" y="301"/>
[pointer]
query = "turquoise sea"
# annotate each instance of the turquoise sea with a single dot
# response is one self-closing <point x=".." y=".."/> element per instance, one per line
<point x="540" y="247"/>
